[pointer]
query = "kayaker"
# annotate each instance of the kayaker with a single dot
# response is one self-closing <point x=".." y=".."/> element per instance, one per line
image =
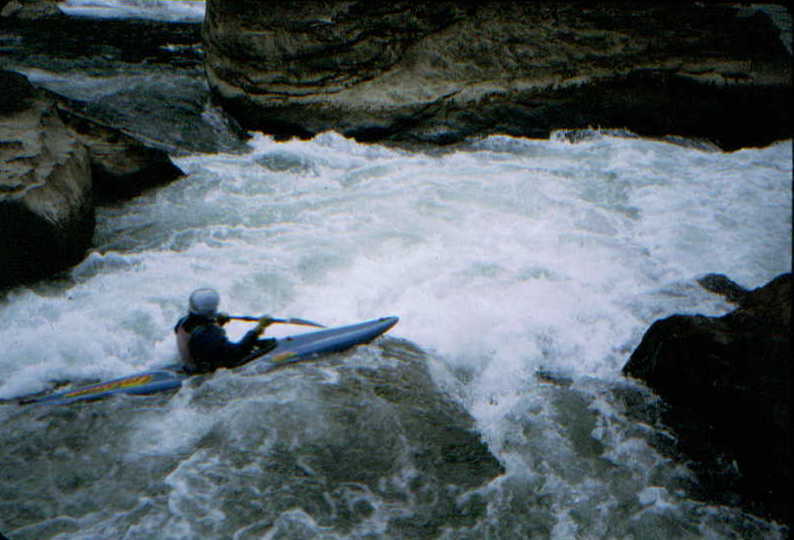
<point x="202" y="341"/>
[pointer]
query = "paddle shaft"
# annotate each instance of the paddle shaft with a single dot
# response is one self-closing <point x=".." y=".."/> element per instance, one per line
<point x="302" y="322"/>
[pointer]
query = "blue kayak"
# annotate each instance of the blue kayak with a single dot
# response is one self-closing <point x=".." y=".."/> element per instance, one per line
<point x="288" y="350"/>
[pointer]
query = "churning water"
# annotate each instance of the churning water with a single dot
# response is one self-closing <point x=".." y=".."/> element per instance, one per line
<point x="504" y="259"/>
<point x="165" y="10"/>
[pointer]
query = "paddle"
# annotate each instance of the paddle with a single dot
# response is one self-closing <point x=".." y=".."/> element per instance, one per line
<point x="301" y="322"/>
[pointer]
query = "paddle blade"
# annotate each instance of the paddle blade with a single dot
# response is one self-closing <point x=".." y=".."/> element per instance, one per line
<point x="302" y="322"/>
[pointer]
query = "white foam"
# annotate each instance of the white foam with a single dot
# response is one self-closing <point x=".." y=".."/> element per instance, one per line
<point x="167" y="10"/>
<point x="501" y="259"/>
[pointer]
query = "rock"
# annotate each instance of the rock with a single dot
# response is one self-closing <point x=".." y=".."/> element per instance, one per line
<point x="444" y="440"/>
<point x="722" y="285"/>
<point x="46" y="206"/>
<point x="30" y="9"/>
<point x="728" y="383"/>
<point x="54" y="162"/>
<point x="144" y="77"/>
<point x="121" y="166"/>
<point x="362" y="443"/>
<point x="440" y="72"/>
<point x="16" y="93"/>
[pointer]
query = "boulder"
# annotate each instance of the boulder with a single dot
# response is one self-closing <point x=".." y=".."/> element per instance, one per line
<point x="440" y="72"/>
<point x="727" y="381"/>
<point x="724" y="286"/>
<point x="55" y="162"/>
<point x="29" y="9"/>
<point x="143" y="77"/>
<point x="375" y="422"/>
<point x="121" y="165"/>
<point x="46" y="206"/>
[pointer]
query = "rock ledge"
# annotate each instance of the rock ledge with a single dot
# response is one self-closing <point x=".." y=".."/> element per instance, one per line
<point x="438" y="73"/>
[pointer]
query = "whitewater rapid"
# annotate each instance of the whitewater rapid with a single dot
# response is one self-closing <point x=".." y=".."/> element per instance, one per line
<point x="163" y="10"/>
<point x="510" y="255"/>
<point x="503" y="258"/>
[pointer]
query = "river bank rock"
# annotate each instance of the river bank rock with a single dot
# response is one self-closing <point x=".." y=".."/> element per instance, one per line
<point x="728" y="383"/>
<point x="724" y="286"/>
<point x="55" y="163"/>
<point x="29" y="9"/>
<point x="46" y="199"/>
<point x="417" y="72"/>
<point x="143" y="77"/>
<point x="121" y="165"/>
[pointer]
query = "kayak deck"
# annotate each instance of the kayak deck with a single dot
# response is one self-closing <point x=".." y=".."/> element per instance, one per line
<point x="294" y="348"/>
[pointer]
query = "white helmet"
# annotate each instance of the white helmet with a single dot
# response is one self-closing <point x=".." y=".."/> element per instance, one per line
<point x="204" y="302"/>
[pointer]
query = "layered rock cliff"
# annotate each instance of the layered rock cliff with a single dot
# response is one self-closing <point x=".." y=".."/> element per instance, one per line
<point x="440" y="72"/>
<point x="46" y="199"/>
<point x="54" y="164"/>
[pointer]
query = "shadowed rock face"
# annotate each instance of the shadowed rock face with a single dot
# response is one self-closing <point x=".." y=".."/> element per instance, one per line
<point x="121" y="166"/>
<point x="439" y="72"/>
<point x="143" y="77"/>
<point x="28" y="9"/>
<point x="728" y="382"/>
<point x="54" y="162"/>
<point x="46" y="202"/>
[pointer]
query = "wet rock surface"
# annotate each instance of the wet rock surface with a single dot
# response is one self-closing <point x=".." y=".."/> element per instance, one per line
<point x="54" y="164"/>
<point x="145" y="77"/>
<point x="727" y="381"/>
<point x="29" y="9"/>
<point x="128" y="92"/>
<point x="439" y="73"/>
<point x="121" y="165"/>
<point x="46" y="199"/>
<point x="724" y="286"/>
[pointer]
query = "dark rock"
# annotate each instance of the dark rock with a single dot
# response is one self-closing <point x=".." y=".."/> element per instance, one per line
<point x="408" y="421"/>
<point x="95" y="44"/>
<point x="148" y="77"/>
<point x="46" y="202"/>
<point x="16" y="93"/>
<point x="446" y="443"/>
<point x="362" y="443"/>
<point x="724" y="286"/>
<point x="728" y="383"/>
<point x="54" y="161"/>
<point x="440" y="72"/>
<point x="34" y="10"/>
<point x="121" y="165"/>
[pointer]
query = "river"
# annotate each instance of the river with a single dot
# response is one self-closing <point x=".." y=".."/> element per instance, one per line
<point x="523" y="271"/>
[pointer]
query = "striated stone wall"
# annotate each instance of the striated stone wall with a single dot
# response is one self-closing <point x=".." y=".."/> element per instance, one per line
<point x="46" y="199"/>
<point x="439" y="72"/>
<point x="54" y="164"/>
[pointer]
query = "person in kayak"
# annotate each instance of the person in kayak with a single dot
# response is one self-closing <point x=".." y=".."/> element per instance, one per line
<point x="202" y="341"/>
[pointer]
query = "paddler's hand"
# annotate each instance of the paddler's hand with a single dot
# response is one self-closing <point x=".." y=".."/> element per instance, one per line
<point x="264" y="322"/>
<point x="222" y="318"/>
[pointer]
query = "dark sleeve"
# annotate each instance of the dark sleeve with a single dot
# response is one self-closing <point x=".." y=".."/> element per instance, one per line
<point x="179" y="323"/>
<point x="211" y="349"/>
<point x="249" y="340"/>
